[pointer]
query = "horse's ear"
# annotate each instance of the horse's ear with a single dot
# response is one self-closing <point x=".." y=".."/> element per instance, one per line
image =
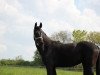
<point x="35" y="24"/>
<point x="40" y="25"/>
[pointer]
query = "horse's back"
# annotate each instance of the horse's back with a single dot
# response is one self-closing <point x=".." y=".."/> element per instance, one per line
<point x="87" y="45"/>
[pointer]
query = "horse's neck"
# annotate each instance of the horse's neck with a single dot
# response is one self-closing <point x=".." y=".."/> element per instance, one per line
<point x="47" y="40"/>
<point x="40" y="48"/>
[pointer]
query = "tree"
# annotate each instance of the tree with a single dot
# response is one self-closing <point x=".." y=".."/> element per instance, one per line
<point x="37" y="59"/>
<point x="79" y="35"/>
<point x="61" y="36"/>
<point x="94" y="37"/>
<point x="19" y="60"/>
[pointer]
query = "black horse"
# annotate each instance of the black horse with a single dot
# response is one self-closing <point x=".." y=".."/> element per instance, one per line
<point x="55" y="54"/>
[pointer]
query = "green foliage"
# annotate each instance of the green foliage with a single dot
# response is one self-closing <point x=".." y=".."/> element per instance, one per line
<point x="79" y="35"/>
<point x="37" y="59"/>
<point x="94" y="37"/>
<point x="17" y="62"/>
<point x="61" y="36"/>
<point x="7" y="62"/>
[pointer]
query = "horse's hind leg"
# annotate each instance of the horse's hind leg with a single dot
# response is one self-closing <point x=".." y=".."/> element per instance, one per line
<point x="98" y="65"/>
<point x="87" y="66"/>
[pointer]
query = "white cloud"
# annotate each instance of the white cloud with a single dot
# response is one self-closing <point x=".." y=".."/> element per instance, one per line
<point x="3" y="30"/>
<point x="20" y="24"/>
<point x="30" y="52"/>
<point x="93" y="2"/>
<point x="89" y="12"/>
<point x="8" y="9"/>
<point x="86" y="19"/>
<point x="51" y="6"/>
<point x="3" y="48"/>
<point x="56" y="26"/>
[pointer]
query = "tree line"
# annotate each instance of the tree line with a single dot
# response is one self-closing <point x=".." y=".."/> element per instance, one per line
<point x="18" y="61"/>
<point x="62" y="36"/>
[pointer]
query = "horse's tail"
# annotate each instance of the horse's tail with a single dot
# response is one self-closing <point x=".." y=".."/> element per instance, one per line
<point x="98" y="65"/>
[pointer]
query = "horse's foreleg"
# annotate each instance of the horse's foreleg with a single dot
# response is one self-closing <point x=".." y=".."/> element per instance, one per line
<point x="51" y="70"/>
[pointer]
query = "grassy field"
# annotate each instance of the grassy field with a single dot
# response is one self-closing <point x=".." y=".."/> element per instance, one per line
<point x="32" y="71"/>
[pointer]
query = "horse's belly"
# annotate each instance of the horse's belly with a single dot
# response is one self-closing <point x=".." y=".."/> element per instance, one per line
<point x="68" y="61"/>
<point x="67" y="64"/>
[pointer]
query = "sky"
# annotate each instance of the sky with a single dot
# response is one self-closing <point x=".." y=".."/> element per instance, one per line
<point x="17" y="18"/>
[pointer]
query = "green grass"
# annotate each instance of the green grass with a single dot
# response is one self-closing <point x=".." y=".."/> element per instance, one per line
<point x="5" y="70"/>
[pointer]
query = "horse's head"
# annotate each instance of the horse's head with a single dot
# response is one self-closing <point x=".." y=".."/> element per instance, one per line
<point x="38" y="34"/>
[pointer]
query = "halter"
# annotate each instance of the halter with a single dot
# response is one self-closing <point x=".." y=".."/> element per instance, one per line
<point x="37" y="42"/>
<point x="38" y="38"/>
